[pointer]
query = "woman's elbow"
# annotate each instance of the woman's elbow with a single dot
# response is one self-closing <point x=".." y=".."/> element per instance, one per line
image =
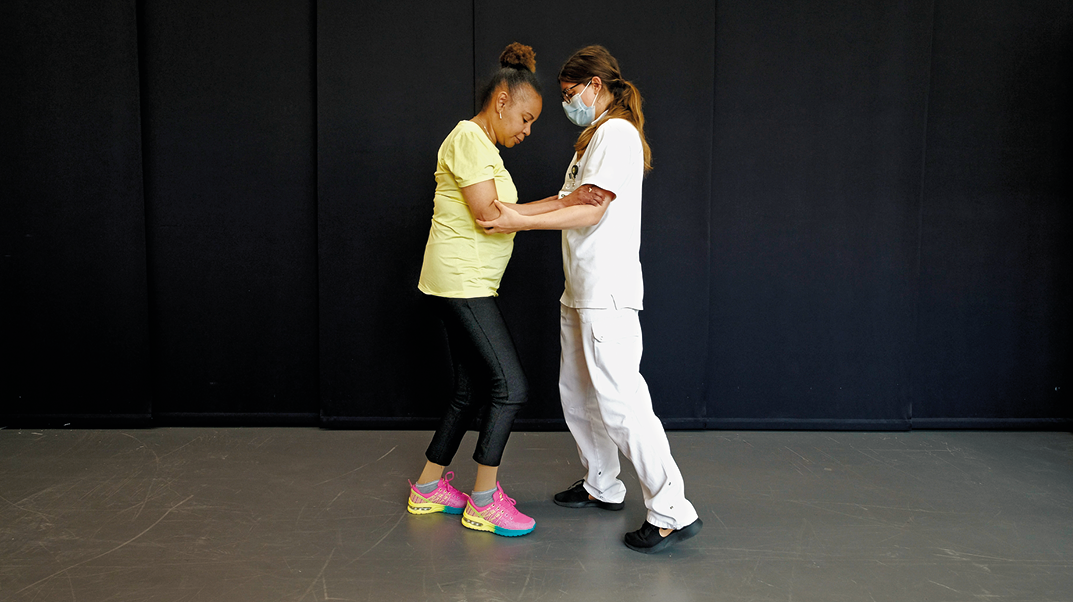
<point x="593" y="217"/>
<point x="485" y="213"/>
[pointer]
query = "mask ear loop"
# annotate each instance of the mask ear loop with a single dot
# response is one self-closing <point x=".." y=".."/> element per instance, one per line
<point x="597" y="96"/>
<point x="583" y="91"/>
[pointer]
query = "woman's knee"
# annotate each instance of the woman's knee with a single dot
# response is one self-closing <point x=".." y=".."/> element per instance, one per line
<point x="517" y="390"/>
<point x="510" y="386"/>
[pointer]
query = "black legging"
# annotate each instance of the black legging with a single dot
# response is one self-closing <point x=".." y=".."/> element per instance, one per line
<point x="488" y="376"/>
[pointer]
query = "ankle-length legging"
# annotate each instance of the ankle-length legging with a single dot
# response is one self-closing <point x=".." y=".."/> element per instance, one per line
<point x="489" y="380"/>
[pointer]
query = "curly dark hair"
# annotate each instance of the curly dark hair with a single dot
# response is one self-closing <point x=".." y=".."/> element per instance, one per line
<point x="517" y="67"/>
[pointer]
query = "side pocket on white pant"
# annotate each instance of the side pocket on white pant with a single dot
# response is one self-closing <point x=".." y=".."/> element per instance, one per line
<point x="616" y="326"/>
<point x="617" y="348"/>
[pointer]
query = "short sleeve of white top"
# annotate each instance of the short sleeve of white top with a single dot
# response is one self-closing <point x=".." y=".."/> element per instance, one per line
<point x="602" y="263"/>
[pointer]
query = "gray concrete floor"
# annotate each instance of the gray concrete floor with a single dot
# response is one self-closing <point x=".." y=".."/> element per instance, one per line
<point x="305" y="514"/>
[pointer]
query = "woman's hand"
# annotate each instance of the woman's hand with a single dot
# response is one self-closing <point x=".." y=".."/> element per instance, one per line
<point x="588" y="195"/>
<point x="509" y="220"/>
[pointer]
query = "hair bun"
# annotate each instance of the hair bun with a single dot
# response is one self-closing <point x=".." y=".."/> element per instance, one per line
<point x="518" y="56"/>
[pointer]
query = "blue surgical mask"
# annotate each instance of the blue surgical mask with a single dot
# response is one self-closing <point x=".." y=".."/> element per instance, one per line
<point x="578" y="112"/>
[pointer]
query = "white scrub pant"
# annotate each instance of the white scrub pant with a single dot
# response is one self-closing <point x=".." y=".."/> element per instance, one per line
<point x="608" y="409"/>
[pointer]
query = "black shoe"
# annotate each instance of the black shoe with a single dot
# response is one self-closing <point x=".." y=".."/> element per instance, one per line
<point x="646" y="540"/>
<point x="577" y="497"/>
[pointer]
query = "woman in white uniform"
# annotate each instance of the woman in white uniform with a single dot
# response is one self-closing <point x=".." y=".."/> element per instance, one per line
<point x="605" y="399"/>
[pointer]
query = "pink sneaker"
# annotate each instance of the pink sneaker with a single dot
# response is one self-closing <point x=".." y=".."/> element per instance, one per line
<point x="499" y="517"/>
<point x="444" y="498"/>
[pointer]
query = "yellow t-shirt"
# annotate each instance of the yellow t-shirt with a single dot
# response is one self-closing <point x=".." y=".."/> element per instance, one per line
<point x="461" y="261"/>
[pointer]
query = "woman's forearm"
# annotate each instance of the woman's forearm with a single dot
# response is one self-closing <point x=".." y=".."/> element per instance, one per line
<point x="565" y="218"/>
<point x="542" y="206"/>
<point x="580" y="208"/>
<point x="584" y="195"/>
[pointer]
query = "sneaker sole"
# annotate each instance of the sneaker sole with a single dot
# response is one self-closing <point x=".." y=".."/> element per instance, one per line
<point x="479" y="524"/>
<point x="430" y="508"/>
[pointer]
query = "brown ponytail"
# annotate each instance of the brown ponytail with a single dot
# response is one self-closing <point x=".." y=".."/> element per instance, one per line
<point x="596" y="61"/>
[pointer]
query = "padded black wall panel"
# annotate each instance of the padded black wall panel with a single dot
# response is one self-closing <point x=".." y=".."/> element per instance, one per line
<point x="857" y="219"/>
<point x="231" y="196"/>
<point x="995" y="245"/>
<point x="394" y="79"/>
<point x="819" y="130"/>
<point x="666" y="50"/>
<point x="73" y="325"/>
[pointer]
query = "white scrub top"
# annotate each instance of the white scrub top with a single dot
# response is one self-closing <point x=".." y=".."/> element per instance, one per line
<point x="601" y="263"/>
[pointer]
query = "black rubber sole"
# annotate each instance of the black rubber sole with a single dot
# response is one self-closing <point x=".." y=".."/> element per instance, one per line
<point x="614" y="507"/>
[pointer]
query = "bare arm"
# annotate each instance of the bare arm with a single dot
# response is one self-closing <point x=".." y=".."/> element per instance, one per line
<point x="566" y="218"/>
<point x="542" y="206"/>
<point x="584" y="195"/>
<point x="481" y="198"/>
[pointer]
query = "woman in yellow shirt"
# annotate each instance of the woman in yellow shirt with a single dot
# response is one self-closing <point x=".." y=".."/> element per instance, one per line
<point x="462" y="268"/>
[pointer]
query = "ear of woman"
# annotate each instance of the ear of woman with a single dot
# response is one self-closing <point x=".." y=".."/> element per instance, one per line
<point x="602" y="101"/>
<point x="502" y="102"/>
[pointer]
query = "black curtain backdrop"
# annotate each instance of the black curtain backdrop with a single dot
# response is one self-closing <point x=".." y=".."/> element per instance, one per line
<point x="993" y="333"/>
<point x="230" y="198"/>
<point x="820" y="112"/>
<point x="74" y="330"/>
<point x="214" y="212"/>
